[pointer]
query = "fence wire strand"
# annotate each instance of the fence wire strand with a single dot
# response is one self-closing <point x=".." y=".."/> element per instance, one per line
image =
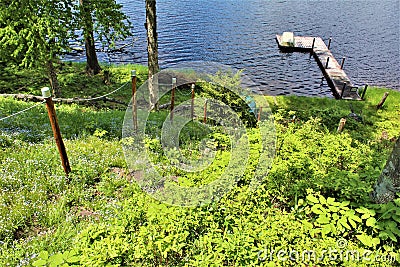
<point x="86" y="99"/>
<point x="182" y="91"/>
<point x="110" y="93"/>
<point x="22" y="111"/>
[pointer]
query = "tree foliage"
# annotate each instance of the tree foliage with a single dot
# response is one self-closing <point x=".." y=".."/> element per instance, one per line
<point x="34" y="31"/>
<point x="110" y="23"/>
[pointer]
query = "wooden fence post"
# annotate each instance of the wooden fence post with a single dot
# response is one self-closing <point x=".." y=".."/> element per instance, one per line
<point x="192" y="103"/>
<point x="259" y="114"/>
<point x="134" y="104"/>
<point x="341" y="125"/>
<point x="385" y="95"/>
<point x="46" y="93"/>
<point x="171" y="117"/>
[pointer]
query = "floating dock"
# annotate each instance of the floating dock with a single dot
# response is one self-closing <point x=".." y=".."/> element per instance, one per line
<point x="334" y="74"/>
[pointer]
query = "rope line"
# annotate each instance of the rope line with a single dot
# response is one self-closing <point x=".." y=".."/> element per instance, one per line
<point x="182" y="92"/>
<point x="110" y="93"/>
<point x="22" y="111"/>
<point x="86" y="99"/>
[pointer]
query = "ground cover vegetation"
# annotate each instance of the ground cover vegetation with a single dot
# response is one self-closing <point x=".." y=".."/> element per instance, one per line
<point x="314" y="200"/>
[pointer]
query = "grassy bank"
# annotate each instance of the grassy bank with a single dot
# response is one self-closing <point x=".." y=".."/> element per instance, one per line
<point x="73" y="81"/>
<point x="315" y="194"/>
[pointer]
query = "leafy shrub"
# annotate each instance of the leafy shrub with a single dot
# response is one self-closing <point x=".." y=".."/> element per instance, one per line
<point x="5" y="140"/>
<point x="385" y="219"/>
<point x="372" y="225"/>
<point x="309" y="156"/>
<point x="102" y="217"/>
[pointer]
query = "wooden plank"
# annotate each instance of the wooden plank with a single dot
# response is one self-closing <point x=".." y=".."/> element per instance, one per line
<point x="334" y="74"/>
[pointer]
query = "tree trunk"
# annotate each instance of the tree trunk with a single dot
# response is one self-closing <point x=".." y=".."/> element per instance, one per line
<point x="388" y="183"/>
<point x="152" y="51"/>
<point x="92" y="63"/>
<point x="52" y="74"/>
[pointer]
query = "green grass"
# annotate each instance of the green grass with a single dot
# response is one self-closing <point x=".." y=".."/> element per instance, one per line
<point x="102" y="215"/>
<point x="330" y="111"/>
<point x="74" y="82"/>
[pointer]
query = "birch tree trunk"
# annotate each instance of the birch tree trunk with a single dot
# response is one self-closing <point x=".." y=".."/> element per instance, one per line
<point x="152" y="51"/>
<point x="388" y="183"/>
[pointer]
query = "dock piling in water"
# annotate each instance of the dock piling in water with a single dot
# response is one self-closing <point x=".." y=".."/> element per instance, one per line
<point x="341" y="65"/>
<point x="344" y="88"/>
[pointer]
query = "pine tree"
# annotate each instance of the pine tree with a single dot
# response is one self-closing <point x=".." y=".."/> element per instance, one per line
<point x="34" y="33"/>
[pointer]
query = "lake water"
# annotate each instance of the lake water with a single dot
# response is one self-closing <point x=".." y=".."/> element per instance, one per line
<point x="241" y="34"/>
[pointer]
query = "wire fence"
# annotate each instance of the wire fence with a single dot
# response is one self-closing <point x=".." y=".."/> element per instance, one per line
<point x="83" y="99"/>
<point x="181" y="91"/>
<point x="103" y="96"/>
<point x="22" y="111"/>
<point x="184" y="92"/>
<point x="215" y="111"/>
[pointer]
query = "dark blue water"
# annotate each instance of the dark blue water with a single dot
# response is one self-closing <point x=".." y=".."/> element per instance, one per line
<point x="241" y="33"/>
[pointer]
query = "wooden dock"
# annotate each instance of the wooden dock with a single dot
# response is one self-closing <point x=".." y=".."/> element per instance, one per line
<point x="337" y="79"/>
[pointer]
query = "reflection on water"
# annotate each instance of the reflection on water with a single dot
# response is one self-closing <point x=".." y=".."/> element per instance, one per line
<point x="241" y="33"/>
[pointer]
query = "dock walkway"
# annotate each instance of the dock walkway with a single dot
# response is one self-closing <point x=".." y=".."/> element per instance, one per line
<point x="337" y="79"/>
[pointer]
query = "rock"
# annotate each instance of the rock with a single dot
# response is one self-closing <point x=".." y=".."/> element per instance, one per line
<point x="388" y="183"/>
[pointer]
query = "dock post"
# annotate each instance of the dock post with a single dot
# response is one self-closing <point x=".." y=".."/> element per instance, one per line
<point x="363" y="93"/>
<point x="344" y="87"/>
<point x="327" y="62"/>
<point x="341" y="65"/>
<point x="322" y="80"/>
<point x="312" y="47"/>
<point x="329" y="43"/>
